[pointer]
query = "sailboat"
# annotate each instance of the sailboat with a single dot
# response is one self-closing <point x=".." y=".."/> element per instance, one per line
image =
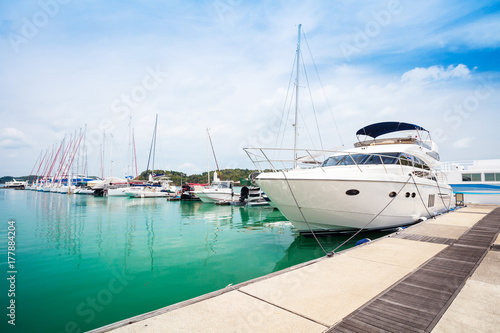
<point x="220" y="190"/>
<point x="387" y="180"/>
<point x="157" y="185"/>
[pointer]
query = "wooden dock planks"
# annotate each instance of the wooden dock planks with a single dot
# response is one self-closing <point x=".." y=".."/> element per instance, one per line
<point x="416" y="303"/>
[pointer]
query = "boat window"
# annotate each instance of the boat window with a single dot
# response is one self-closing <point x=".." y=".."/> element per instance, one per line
<point x="389" y="158"/>
<point x="418" y="163"/>
<point x="471" y="177"/>
<point x="492" y="177"/>
<point x="332" y="160"/>
<point x="373" y="159"/>
<point x="386" y="158"/>
<point x="405" y="159"/>
<point x="353" y="159"/>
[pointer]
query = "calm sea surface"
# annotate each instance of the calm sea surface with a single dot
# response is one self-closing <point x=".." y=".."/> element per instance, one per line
<point x="83" y="262"/>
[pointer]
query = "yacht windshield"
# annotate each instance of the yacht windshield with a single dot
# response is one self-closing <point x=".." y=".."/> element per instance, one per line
<point x="222" y="185"/>
<point x="353" y="159"/>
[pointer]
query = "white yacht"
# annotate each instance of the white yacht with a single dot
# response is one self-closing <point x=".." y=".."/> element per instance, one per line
<point x="15" y="184"/>
<point x="474" y="181"/>
<point x="381" y="183"/>
<point x="84" y="190"/>
<point x="156" y="187"/>
<point x="219" y="190"/>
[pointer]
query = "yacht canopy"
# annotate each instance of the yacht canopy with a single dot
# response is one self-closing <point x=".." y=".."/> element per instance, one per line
<point x="378" y="129"/>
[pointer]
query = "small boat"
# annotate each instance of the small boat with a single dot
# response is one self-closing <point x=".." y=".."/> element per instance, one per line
<point x="84" y="190"/>
<point x="116" y="192"/>
<point x="188" y="191"/>
<point x="219" y="190"/>
<point x="146" y="192"/>
<point x="251" y="194"/>
<point x="15" y="184"/>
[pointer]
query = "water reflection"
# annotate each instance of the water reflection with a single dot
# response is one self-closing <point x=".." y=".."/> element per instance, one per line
<point x="59" y="221"/>
<point x="304" y="249"/>
<point x="151" y="239"/>
<point x="64" y="222"/>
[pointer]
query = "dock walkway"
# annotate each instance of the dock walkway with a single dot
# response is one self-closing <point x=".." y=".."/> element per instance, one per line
<point x="442" y="275"/>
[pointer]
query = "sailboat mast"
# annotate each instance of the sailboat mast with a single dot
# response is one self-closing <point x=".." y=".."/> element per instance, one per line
<point x="153" y="140"/>
<point x="130" y="157"/>
<point x="215" y="157"/>
<point x="135" y="155"/>
<point x="208" y="157"/>
<point x="154" y="147"/>
<point x="296" y="101"/>
<point x="84" y="167"/>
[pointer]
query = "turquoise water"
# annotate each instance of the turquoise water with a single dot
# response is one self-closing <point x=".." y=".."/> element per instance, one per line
<point x="83" y="262"/>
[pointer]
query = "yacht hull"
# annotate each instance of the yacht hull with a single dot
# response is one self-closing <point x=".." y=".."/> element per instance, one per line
<point x="117" y="192"/>
<point x="325" y="206"/>
<point x="214" y="196"/>
<point x="146" y="194"/>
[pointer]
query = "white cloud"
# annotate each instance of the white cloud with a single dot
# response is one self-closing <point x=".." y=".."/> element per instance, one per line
<point x="435" y="73"/>
<point x="481" y="33"/>
<point x="13" y="138"/>
<point x="463" y="142"/>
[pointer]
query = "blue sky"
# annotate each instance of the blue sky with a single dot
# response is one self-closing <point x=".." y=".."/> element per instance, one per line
<point x="225" y="65"/>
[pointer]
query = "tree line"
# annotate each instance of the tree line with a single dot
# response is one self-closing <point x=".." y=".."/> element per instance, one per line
<point x="178" y="177"/>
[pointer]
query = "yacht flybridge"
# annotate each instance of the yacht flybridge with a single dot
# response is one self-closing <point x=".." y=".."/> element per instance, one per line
<point x="381" y="183"/>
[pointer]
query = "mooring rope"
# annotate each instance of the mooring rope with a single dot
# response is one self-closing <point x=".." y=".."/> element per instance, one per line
<point x="305" y="220"/>
<point x="421" y="199"/>
<point x="373" y="219"/>
<point x="439" y="188"/>
<point x="329" y="254"/>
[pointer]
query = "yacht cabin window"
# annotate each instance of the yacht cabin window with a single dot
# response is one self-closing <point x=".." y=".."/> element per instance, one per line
<point x="492" y="177"/>
<point x="471" y="177"/>
<point x="385" y="158"/>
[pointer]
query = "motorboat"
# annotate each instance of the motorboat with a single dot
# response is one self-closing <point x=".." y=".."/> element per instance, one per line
<point x="251" y="194"/>
<point x="84" y="190"/>
<point x="117" y="192"/>
<point x="146" y="192"/>
<point x="219" y="190"/>
<point x="159" y="186"/>
<point x="381" y="183"/>
<point x="188" y="191"/>
<point x="15" y="184"/>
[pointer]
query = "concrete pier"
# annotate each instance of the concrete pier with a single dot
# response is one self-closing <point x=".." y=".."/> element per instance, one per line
<point x="442" y="275"/>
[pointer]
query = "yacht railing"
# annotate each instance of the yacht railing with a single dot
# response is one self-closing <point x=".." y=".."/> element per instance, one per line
<point x="314" y="158"/>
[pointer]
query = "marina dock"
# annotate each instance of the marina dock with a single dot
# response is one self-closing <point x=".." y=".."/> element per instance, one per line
<point x="441" y="275"/>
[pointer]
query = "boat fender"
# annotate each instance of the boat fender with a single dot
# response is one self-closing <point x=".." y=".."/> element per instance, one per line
<point x="362" y="241"/>
<point x="422" y="219"/>
<point x="401" y="229"/>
